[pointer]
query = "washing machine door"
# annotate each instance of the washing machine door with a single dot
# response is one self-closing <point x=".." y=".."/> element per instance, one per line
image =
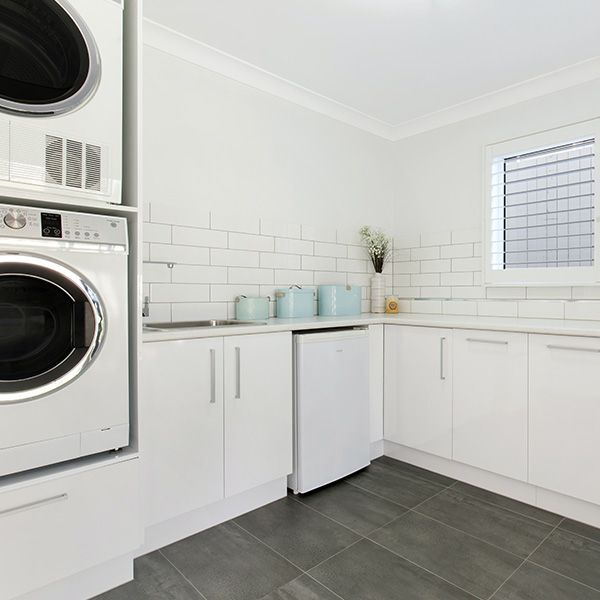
<point x="49" y="61"/>
<point x="52" y="326"/>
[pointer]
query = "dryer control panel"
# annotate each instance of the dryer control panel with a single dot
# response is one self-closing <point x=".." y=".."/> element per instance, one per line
<point x="50" y="224"/>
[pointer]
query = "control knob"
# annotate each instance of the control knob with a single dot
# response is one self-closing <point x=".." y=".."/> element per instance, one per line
<point x="15" y="220"/>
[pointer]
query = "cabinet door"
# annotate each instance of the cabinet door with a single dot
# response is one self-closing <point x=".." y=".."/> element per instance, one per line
<point x="258" y="410"/>
<point x="564" y="415"/>
<point x="181" y="426"/>
<point x="490" y="401"/>
<point x="418" y="388"/>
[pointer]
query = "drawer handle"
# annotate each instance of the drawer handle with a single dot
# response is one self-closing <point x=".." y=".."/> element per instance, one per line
<point x="238" y="374"/>
<point x="481" y="341"/>
<point x="213" y="377"/>
<point x="442" y="374"/>
<point x="32" y="505"/>
<point x="572" y="348"/>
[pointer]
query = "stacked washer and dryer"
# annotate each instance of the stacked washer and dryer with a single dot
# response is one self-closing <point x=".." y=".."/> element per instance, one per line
<point x="64" y="390"/>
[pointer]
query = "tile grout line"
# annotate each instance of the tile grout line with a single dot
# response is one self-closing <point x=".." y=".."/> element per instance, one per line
<point x="532" y="562"/>
<point x="526" y="559"/>
<point x="182" y="575"/>
<point x="303" y="571"/>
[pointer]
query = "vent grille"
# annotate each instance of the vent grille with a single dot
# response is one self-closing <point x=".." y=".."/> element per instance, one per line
<point x="54" y="160"/>
<point x="74" y="164"/>
<point x="93" y="167"/>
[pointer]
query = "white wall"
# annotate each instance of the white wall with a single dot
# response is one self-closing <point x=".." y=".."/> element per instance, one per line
<point x="214" y="143"/>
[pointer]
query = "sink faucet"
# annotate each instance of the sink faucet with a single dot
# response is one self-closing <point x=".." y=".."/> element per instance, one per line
<point x="146" y="307"/>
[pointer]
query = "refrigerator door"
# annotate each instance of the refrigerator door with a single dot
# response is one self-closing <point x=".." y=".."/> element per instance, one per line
<point x="331" y="407"/>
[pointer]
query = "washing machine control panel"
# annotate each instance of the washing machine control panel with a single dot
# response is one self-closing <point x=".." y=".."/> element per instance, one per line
<point x="49" y="224"/>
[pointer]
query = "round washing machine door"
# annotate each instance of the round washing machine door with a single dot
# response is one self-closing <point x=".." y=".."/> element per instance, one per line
<point x="52" y="326"/>
<point x="49" y="61"/>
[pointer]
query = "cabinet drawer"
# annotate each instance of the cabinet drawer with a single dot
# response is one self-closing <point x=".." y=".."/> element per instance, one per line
<point x="55" y="529"/>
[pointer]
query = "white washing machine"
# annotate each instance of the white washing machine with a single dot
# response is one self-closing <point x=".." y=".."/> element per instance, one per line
<point x="61" y="99"/>
<point x="64" y="389"/>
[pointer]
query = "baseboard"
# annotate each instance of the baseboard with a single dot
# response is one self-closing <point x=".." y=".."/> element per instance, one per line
<point x="566" y="506"/>
<point x="88" y="583"/>
<point x="167" y="532"/>
<point x="376" y="449"/>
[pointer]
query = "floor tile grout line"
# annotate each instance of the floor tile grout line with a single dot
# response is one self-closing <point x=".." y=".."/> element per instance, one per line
<point x="516" y="512"/>
<point x="324" y="586"/>
<point x="526" y="559"/>
<point x="392" y="501"/>
<point x="421" y="478"/>
<point x="332" y="556"/>
<point x="585" y="537"/>
<point x="587" y="585"/>
<point x="202" y="596"/>
<point x="412" y="562"/>
<point x="303" y="574"/>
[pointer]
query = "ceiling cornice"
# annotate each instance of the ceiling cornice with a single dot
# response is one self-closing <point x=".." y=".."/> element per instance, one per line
<point x="177" y="44"/>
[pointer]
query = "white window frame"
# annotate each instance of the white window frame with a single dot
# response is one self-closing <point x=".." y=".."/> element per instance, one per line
<point x="570" y="276"/>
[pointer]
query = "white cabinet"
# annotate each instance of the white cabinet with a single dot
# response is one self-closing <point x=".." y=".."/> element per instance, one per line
<point x="490" y="401"/>
<point x="181" y="426"/>
<point x="418" y="388"/>
<point x="564" y="413"/>
<point x="258" y="410"/>
<point x="63" y="526"/>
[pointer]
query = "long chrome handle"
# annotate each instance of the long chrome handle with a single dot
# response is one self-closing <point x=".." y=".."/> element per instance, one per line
<point x="481" y="341"/>
<point x="238" y="361"/>
<point x="213" y="376"/>
<point x="442" y="375"/>
<point x="572" y="348"/>
<point x="32" y="505"/>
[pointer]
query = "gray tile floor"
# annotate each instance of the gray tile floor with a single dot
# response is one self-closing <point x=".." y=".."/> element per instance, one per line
<point x="390" y="532"/>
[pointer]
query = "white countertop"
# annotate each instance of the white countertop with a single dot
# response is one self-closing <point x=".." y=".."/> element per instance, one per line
<point x="547" y="326"/>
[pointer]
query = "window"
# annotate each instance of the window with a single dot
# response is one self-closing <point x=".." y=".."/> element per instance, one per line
<point x="541" y="208"/>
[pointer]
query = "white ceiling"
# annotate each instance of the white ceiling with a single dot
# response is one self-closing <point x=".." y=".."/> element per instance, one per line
<point x="393" y="60"/>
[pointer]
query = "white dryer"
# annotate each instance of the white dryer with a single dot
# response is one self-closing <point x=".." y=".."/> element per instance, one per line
<point x="64" y="389"/>
<point x="61" y="99"/>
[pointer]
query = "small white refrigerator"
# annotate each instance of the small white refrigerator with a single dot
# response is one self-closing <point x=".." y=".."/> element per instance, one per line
<point x="331" y="407"/>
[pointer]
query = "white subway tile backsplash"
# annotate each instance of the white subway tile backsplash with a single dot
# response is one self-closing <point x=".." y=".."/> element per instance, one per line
<point x="289" y="246"/>
<point x="407" y="267"/>
<point x="358" y="252"/>
<point x="179" y="292"/>
<point x="401" y="255"/>
<point x="234" y="258"/>
<point x="549" y="293"/>
<point x="497" y="308"/>
<point x="292" y="277"/>
<point x="436" y="266"/>
<point x="251" y="276"/>
<point x="193" y="216"/>
<point x="279" y="229"/>
<point x="272" y="260"/>
<point x="586" y="292"/>
<point x="239" y="223"/>
<point x="453" y="279"/>
<point x="197" y="311"/>
<point x="146" y="251"/>
<point x="587" y="310"/>
<point x="159" y="313"/>
<point x="318" y="263"/>
<point x="495" y="293"/>
<point x="156" y="273"/>
<point x="401" y="279"/>
<point x="436" y="292"/>
<point x="457" y="251"/>
<point x="363" y="279"/>
<point x="407" y="292"/>
<point x="319" y="233"/>
<point x="153" y="232"/>
<point x="427" y="279"/>
<point x="427" y="306"/>
<point x="467" y="292"/>
<point x="244" y="241"/>
<point x="349" y="237"/>
<point x="459" y="307"/>
<point x="428" y="253"/>
<point x="542" y="309"/>
<point x="352" y="265"/>
<point x="199" y="274"/>
<point x="440" y="238"/>
<point x="191" y="255"/>
<point x="330" y="278"/>
<point x="466" y="264"/>
<point x="191" y="236"/>
<point x="229" y="292"/>
<point x="335" y="250"/>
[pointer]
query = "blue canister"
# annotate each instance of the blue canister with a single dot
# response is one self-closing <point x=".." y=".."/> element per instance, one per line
<point x="252" y="309"/>
<point x="340" y="300"/>
<point x="295" y="302"/>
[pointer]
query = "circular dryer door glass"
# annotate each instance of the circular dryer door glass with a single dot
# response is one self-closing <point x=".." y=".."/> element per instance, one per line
<point x="49" y="331"/>
<point x="49" y="62"/>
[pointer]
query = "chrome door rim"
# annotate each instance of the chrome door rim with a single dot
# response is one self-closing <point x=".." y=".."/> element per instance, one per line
<point x="82" y="95"/>
<point x="85" y="287"/>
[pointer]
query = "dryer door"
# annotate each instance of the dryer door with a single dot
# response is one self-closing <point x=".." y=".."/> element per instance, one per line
<point x="51" y="326"/>
<point x="49" y="62"/>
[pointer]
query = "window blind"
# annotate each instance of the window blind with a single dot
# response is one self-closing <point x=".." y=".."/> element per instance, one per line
<point x="543" y="208"/>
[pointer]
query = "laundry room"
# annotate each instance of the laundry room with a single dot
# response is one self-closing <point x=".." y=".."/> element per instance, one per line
<point x="299" y="300"/>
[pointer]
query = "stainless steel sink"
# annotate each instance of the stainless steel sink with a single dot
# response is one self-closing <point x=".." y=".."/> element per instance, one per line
<point x="198" y="324"/>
